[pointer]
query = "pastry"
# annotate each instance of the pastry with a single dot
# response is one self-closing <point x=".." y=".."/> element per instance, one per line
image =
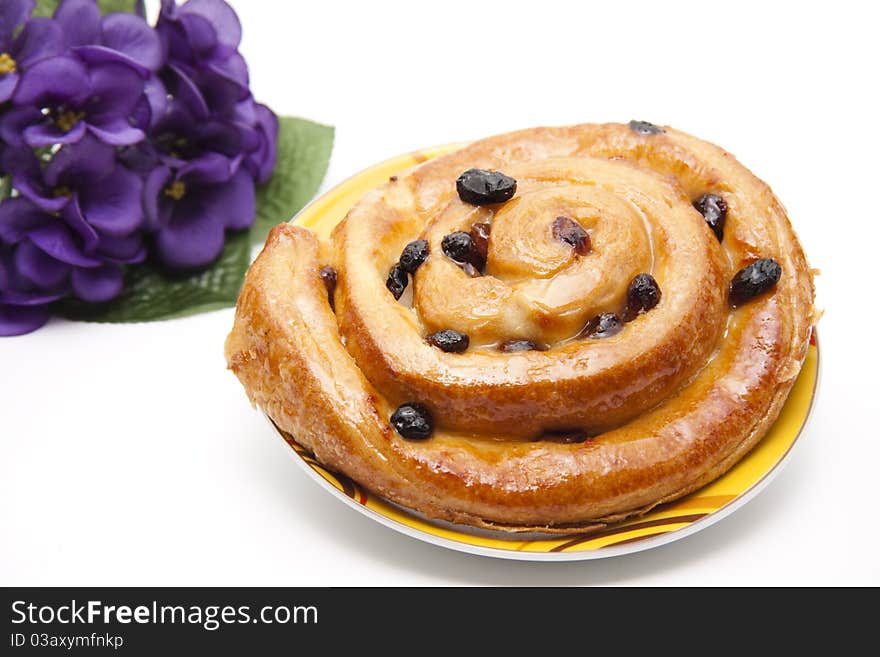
<point x="547" y="330"/>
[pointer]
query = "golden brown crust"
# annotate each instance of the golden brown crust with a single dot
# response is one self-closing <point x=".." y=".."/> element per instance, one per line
<point x="674" y="400"/>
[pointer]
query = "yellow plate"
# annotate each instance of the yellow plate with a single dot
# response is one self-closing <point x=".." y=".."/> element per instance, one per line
<point x="665" y="523"/>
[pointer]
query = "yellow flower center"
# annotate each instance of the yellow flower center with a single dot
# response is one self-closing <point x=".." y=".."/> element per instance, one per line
<point x="66" y="120"/>
<point x="61" y="190"/>
<point x="7" y="64"/>
<point x="176" y="190"/>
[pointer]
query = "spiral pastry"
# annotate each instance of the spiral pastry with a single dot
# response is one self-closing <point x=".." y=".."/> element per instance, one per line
<point x="551" y="329"/>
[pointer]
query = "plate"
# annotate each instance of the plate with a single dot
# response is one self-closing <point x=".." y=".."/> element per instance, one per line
<point x="663" y="524"/>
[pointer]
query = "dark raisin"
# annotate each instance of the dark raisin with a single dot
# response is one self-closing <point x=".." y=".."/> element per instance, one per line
<point x="602" y="326"/>
<point x="642" y="294"/>
<point x="512" y="346"/>
<point x="645" y="128"/>
<point x="753" y="280"/>
<point x="714" y="211"/>
<point x="397" y="281"/>
<point x="459" y="246"/>
<point x="413" y="421"/>
<point x="565" y="437"/>
<point x="449" y="341"/>
<point x="480" y="236"/>
<point x="481" y="187"/>
<point x="414" y="254"/>
<point x="572" y="233"/>
<point x="392" y="179"/>
<point x="328" y="275"/>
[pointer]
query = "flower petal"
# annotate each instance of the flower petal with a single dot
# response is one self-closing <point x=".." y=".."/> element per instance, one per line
<point x="220" y="93"/>
<point x="153" y="105"/>
<point x="56" y="79"/>
<point x="157" y="210"/>
<point x="73" y="217"/>
<point x="43" y="270"/>
<point x="233" y="68"/>
<point x="200" y="35"/>
<point x="87" y="160"/>
<point x="233" y="201"/>
<point x="40" y="38"/>
<point x="228" y="137"/>
<point x="47" y="134"/>
<point x="187" y="92"/>
<point x="18" y="217"/>
<point x="263" y="159"/>
<point x="58" y="242"/>
<point x="80" y="20"/>
<point x="7" y="86"/>
<point x="32" y="297"/>
<point x="221" y="16"/>
<point x="207" y="168"/>
<point x="113" y="205"/>
<point x="12" y="14"/>
<point x="14" y="121"/>
<point x="193" y="237"/>
<point x="129" y="34"/>
<point x="123" y="250"/>
<point x="140" y="158"/>
<point x="18" y="320"/>
<point x="32" y="188"/>
<point x="117" y="132"/>
<point x="97" y="284"/>
<point x="114" y="91"/>
<point x="168" y="10"/>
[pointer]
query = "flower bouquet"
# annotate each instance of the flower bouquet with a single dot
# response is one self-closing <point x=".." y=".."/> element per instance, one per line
<point x="136" y="168"/>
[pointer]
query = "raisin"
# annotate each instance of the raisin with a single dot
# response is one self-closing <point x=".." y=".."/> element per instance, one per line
<point x="449" y="341"/>
<point x="602" y="326"/>
<point x="645" y="128"/>
<point x="397" y="280"/>
<point x="565" y="437"/>
<point x="329" y="276"/>
<point x="642" y="294"/>
<point x="753" y="280"/>
<point x="481" y="187"/>
<point x="572" y="233"/>
<point x="413" y="421"/>
<point x="414" y="254"/>
<point x="714" y="211"/>
<point x="512" y="346"/>
<point x="460" y="248"/>
<point x="480" y="236"/>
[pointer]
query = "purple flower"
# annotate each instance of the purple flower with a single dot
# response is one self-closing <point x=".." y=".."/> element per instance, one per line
<point x="113" y="133"/>
<point x="39" y="38"/>
<point x="191" y="209"/>
<point x="199" y="32"/>
<point x="261" y="161"/>
<point x="96" y="197"/>
<point x="24" y="306"/>
<point x="43" y="260"/>
<point x="58" y="100"/>
<point x="117" y="37"/>
<point x="202" y="37"/>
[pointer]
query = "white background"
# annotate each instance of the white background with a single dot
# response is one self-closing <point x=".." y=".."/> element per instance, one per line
<point x="131" y="456"/>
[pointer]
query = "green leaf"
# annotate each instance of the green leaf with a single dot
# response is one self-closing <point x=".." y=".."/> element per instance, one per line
<point x="151" y="294"/>
<point x="303" y="155"/>
<point x="110" y="6"/>
<point x="47" y="7"/>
